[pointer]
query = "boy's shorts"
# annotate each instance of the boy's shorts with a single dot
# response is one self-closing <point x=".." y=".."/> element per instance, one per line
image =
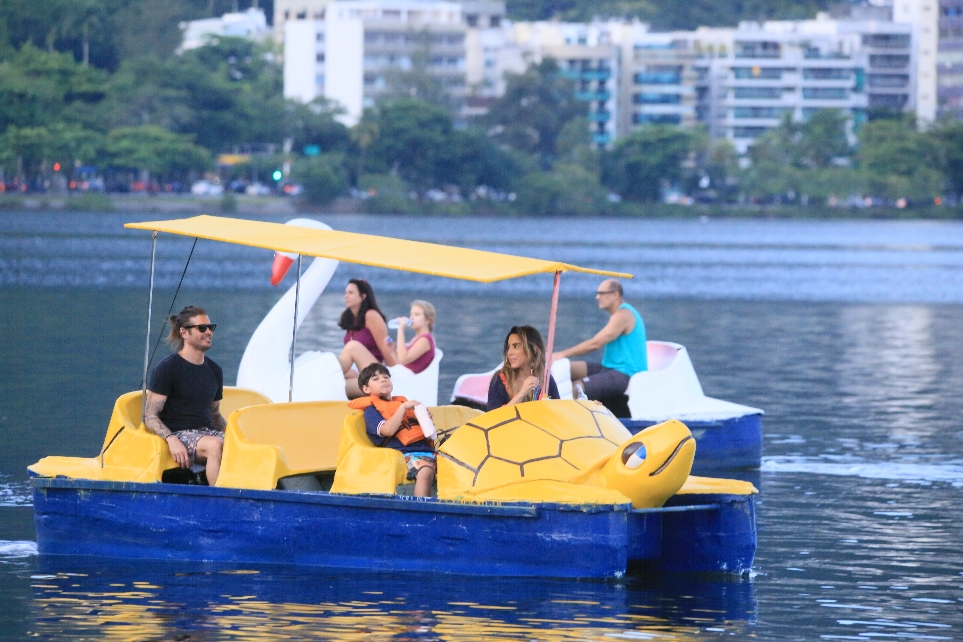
<point x="417" y="461"/>
<point x="190" y="438"/>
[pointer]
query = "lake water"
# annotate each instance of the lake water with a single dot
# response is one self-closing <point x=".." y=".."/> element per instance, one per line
<point x="847" y="334"/>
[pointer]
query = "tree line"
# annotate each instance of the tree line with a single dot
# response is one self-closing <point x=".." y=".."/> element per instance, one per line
<point x="153" y="115"/>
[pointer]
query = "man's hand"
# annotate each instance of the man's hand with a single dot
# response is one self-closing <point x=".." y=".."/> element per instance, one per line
<point x="178" y="451"/>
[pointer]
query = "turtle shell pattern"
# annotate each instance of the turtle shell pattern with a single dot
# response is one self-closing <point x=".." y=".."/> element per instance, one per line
<point x="542" y="440"/>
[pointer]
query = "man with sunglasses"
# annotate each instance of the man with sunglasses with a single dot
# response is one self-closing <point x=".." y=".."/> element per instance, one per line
<point x="623" y="339"/>
<point x="184" y="397"/>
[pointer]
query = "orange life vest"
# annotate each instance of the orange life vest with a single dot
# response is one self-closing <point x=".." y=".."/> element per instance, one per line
<point x="410" y="430"/>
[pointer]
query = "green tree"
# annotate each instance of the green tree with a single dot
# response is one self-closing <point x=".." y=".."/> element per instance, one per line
<point x="535" y="108"/>
<point x="156" y="151"/>
<point x="39" y="87"/>
<point x="324" y="178"/>
<point x="412" y="141"/>
<point x="822" y="138"/>
<point x="567" y="191"/>
<point x="897" y="161"/>
<point x="640" y="165"/>
<point x="948" y="136"/>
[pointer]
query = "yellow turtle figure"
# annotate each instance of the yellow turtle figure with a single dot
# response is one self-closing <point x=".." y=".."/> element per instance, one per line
<point x="566" y="452"/>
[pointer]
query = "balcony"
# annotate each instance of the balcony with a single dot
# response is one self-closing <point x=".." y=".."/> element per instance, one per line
<point x="599" y="116"/>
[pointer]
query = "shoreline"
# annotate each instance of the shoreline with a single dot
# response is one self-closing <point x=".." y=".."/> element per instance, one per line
<point x="188" y="204"/>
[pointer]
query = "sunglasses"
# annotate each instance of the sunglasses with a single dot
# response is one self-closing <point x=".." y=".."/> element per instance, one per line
<point x="202" y="327"/>
<point x="601" y="292"/>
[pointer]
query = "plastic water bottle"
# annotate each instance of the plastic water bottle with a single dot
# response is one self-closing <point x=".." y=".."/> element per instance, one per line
<point x="393" y="324"/>
<point x="581" y="393"/>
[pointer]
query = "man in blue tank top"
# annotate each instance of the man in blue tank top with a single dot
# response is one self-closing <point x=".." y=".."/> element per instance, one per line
<point x="623" y="338"/>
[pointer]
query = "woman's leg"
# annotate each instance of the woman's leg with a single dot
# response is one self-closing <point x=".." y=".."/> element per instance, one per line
<point x="354" y="353"/>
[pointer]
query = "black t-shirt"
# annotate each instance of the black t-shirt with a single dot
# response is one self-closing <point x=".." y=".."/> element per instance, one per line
<point x="190" y="390"/>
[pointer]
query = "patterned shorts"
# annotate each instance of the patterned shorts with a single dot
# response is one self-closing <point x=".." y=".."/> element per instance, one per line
<point x="190" y="438"/>
<point x="417" y="461"/>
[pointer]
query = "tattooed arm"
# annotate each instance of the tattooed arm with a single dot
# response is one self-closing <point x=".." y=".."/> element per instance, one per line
<point x="217" y="419"/>
<point x="155" y="403"/>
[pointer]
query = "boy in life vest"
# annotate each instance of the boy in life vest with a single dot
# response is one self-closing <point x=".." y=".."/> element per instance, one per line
<point x="391" y="423"/>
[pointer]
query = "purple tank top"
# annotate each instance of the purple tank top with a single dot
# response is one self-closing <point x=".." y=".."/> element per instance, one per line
<point x="424" y="360"/>
<point x="365" y="338"/>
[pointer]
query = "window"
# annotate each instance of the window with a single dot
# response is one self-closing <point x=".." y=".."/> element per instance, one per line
<point x="888" y="60"/>
<point x="895" y="81"/>
<point x="659" y="75"/>
<point x="656" y="119"/>
<point x="748" y="132"/>
<point x="825" y="93"/>
<point x="887" y="40"/>
<point x="826" y="73"/>
<point x="761" y="73"/>
<point x="651" y="98"/>
<point x="319" y="57"/>
<point x="753" y="49"/>
<point x="758" y="112"/>
<point x="889" y="101"/>
<point x="765" y="93"/>
<point x="495" y="21"/>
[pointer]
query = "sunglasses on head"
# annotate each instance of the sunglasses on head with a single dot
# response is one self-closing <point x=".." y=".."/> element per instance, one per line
<point x="202" y="327"/>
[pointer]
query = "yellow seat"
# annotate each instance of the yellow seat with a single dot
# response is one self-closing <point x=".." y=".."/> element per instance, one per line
<point x="262" y="444"/>
<point x="365" y="468"/>
<point x="131" y="452"/>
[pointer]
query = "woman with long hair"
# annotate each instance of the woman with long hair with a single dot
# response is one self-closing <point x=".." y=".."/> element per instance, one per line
<point x="520" y="378"/>
<point x="366" y="339"/>
<point x="417" y="354"/>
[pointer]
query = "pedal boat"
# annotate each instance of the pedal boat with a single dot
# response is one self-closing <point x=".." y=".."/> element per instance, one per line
<point x="546" y="488"/>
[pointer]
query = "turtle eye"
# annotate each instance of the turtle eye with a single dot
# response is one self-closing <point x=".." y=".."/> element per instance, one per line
<point x="634" y="454"/>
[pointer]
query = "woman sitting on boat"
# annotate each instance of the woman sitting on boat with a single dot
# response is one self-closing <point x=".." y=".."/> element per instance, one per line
<point x="417" y="354"/>
<point x="521" y="375"/>
<point x="366" y="339"/>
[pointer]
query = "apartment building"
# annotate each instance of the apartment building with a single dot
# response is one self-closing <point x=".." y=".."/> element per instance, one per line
<point x="750" y="77"/>
<point x="657" y="79"/>
<point x="949" y="71"/>
<point x="351" y="53"/>
<point x="586" y="53"/>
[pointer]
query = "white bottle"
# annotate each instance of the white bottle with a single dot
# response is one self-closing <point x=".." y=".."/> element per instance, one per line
<point x="424" y="420"/>
<point x="581" y="393"/>
<point x="393" y="324"/>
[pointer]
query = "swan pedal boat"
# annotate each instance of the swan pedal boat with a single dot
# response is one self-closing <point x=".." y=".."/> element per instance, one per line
<point x="555" y="488"/>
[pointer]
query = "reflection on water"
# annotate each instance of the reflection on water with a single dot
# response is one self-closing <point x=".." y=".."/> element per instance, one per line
<point x="171" y="602"/>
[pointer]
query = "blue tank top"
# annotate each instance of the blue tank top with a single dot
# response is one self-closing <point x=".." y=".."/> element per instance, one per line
<point x="627" y="353"/>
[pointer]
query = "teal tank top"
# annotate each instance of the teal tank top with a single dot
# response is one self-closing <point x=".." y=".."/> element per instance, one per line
<point x="627" y="353"/>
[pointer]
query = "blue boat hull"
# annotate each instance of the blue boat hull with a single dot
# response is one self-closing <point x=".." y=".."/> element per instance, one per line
<point x="194" y="523"/>
<point x="724" y="444"/>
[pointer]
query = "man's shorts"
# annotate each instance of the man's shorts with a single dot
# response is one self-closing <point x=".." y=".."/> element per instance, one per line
<point x="190" y="438"/>
<point x="604" y="382"/>
<point x="417" y="461"/>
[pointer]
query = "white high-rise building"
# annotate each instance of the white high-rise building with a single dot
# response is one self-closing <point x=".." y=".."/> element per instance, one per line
<point x="924" y="15"/>
<point x="349" y="55"/>
<point x="750" y="77"/>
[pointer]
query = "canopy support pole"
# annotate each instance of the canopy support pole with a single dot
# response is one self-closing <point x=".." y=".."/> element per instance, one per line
<point x="294" y="333"/>
<point x="551" y="333"/>
<point x="150" y="308"/>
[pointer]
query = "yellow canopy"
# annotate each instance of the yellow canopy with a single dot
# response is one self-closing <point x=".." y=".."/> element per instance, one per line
<point x="366" y="249"/>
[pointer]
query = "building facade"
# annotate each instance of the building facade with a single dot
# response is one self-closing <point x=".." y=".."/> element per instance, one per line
<point x="751" y="77"/>
<point x="351" y="54"/>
